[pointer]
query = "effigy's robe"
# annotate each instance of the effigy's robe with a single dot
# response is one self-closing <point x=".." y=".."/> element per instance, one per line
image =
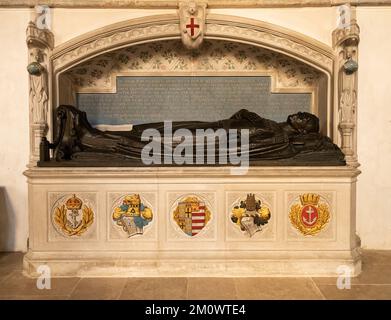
<point x="79" y="144"/>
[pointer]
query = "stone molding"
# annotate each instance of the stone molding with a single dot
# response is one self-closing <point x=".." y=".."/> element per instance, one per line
<point x="213" y="173"/>
<point x="170" y="4"/>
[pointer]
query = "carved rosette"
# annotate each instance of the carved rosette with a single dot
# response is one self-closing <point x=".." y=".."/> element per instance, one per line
<point x="40" y="43"/>
<point x="345" y="42"/>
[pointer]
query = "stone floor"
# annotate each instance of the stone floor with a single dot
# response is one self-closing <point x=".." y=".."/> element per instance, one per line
<point x="373" y="283"/>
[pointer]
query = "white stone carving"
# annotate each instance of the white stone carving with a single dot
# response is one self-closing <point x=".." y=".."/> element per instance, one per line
<point x="40" y="42"/>
<point x="192" y="23"/>
<point x="217" y="27"/>
<point x="153" y="4"/>
<point x="345" y="41"/>
<point x="39" y="88"/>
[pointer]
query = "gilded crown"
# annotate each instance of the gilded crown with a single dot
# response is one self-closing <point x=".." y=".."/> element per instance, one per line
<point x="133" y="199"/>
<point x="74" y="203"/>
<point x="309" y="198"/>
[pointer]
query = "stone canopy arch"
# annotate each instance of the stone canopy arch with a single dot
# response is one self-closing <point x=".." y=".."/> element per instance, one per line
<point x="156" y="28"/>
<point x="165" y="27"/>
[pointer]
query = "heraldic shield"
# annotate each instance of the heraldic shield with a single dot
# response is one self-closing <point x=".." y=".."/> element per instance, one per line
<point x="132" y="215"/>
<point x="72" y="217"/>
<point x="250" y="215"/>
<point x="192" y="23"/>
<point x="311" y="215"/>
<point x="191" y="215"/>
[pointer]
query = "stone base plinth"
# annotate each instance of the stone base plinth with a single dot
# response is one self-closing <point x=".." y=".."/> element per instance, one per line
<point x="81" y="222"/>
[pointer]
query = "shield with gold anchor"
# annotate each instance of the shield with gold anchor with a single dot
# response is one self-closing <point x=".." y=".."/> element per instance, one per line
<point x="311" y="215"/>
<point x="72" y="216"/>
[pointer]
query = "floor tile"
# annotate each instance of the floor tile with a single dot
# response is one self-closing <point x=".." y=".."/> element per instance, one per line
<point x="5" y="272"/>
<point x="17" y="284"/>
<point x="211" y="288"/>
<point x="357" y="292"/>
<point x="373" y="283"/>
<point x="371" y="274"/>
<point x="277" y="288"/>
<point x="98" y="289"/>
<point x="155" y="288"/>
<point x="12" y="259"/>
<point x="370" y="257"/>
<point x="33" y="297"/>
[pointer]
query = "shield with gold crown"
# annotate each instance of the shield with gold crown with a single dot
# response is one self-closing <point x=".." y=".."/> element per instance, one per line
<point x="311" y="215"/>
<point x="132" y="214"/>
<point x="72" y="216"/>
<point x="250" y="214"/>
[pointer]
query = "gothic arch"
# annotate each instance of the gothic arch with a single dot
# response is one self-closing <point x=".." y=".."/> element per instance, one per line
<point x="218" y="27"/>
<point x="164" y="27"/>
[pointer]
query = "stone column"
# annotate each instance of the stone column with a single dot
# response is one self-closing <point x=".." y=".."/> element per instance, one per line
<point x="40" y="42"/>
<point x="345" y="43"/>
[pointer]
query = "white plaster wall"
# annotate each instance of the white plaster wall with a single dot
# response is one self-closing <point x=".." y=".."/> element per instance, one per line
<point x="374" y="187"/>
<point x="374" y="135"/>
<point x="14" y="134"/>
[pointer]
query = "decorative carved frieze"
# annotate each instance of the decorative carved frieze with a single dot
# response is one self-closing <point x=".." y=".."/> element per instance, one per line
<point x="174" y="3"/>
<point x="99" y="44"/>
<point x="217" y="27"/>
<point x="99" y="74"/>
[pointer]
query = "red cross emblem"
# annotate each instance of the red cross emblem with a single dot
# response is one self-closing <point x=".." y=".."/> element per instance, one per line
<point x="192" y="26"/>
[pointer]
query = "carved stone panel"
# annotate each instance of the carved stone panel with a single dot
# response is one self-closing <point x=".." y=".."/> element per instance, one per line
<point x="310" y="215"/>
<point x="72" y="216"/>
<point x="191" y="216"/>
<point x="99" y="74"/>
<point x="244" y="223"/>
<point x="132" y="216"/>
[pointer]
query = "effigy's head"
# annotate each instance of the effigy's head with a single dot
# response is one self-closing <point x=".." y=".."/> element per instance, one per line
<point x="304" y="122"/>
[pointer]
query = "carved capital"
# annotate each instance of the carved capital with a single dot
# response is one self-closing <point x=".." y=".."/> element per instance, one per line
<point x="36" y="37"/>
<point x="349" y="36"/>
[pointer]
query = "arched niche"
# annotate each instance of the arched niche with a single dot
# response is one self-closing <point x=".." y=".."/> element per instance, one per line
<point x="305" y="51"/>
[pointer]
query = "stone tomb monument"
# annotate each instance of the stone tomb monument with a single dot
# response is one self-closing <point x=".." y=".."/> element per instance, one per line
<point x="290" y="218"/>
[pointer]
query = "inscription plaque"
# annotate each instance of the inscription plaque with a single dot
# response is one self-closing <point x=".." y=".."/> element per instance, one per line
<point x="204" y="98"/>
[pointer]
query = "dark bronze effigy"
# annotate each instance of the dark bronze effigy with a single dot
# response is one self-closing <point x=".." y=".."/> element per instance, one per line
<point x="295" y="142"/>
